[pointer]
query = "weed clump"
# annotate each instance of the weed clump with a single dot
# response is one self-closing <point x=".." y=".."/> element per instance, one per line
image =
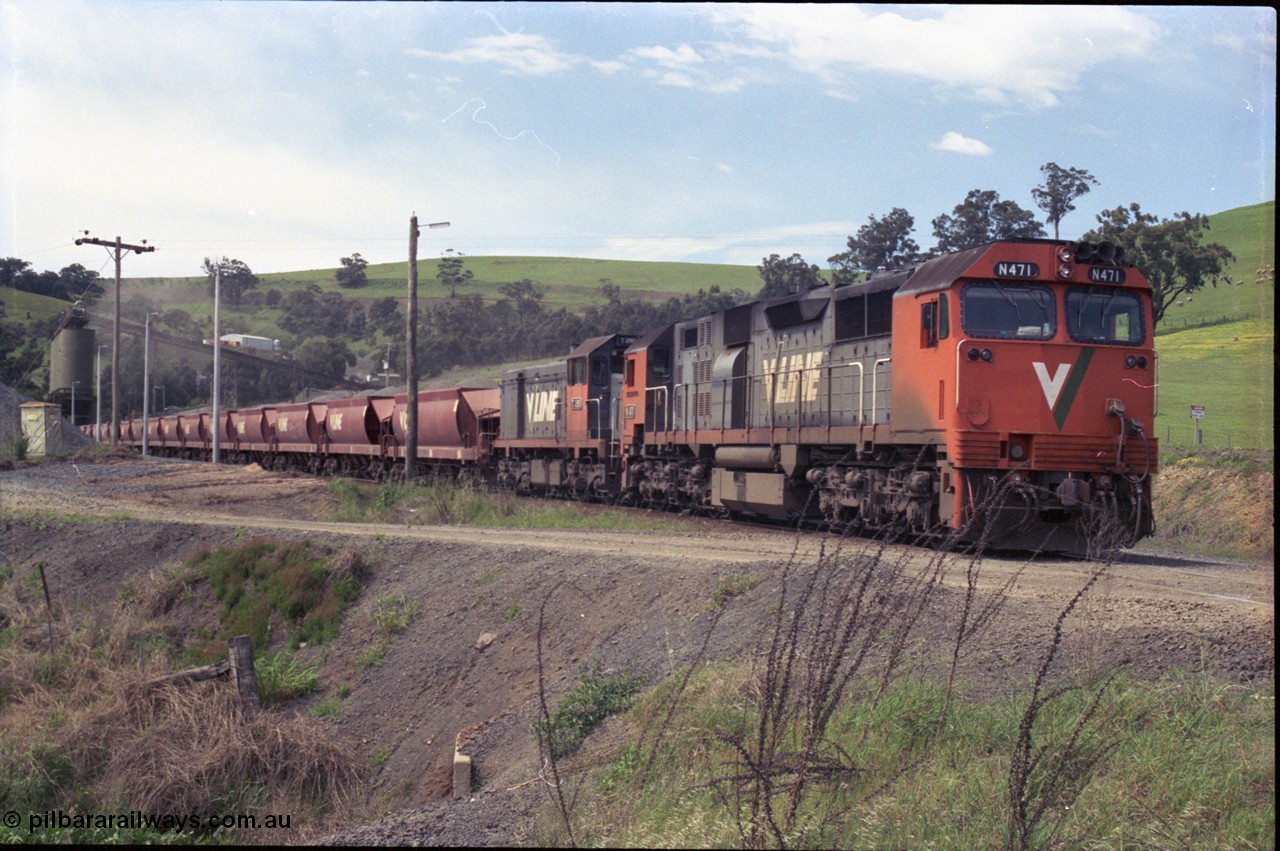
<point x="265" y="578"/>
<point x="595" y="698"/>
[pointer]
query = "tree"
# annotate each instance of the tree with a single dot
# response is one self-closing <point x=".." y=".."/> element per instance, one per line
<point x="329" y="358"/>
<point x="1061" y="187"/>
<point x="237" y="278"/>
<point x="384" y="314"/>
<point x="884" y="243"/>
<point x="79" y="281"/>
<point x="352" y="275"/>
<point x="11" y="269"/>
<point x="786" y="277"/>
<point x="1170" y="253"/>
<point x="983" y="218"/>
<point x="450" y="273"/>
<point x="180" y="322"/>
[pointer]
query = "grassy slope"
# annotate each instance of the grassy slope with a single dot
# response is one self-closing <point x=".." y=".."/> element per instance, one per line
<point x="568" y="281"/>
<point x="1229" y="367"/>
<point x="22" y="306"/>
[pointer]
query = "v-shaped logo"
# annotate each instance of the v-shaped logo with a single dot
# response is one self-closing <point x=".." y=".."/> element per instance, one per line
<point x="1052" y="386"/>
<point x="1060" y="388"/>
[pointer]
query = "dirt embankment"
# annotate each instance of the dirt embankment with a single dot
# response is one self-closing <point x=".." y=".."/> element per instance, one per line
<point x="468" y="661"/>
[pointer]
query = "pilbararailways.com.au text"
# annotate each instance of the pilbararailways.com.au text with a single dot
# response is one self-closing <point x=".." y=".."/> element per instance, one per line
<point x="137" y="820"/>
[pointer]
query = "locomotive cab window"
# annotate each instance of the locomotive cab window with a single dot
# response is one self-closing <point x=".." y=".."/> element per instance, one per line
<point x="995" y="309"/>
<point x="577" y="371"/>
<point x="1105" y="315"/>
<point x="659" y="364"/>
<point x="599" y="371"/>
<point x="929" y="325"/>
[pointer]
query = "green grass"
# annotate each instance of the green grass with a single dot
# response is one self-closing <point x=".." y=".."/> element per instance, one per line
<point x="1250" y="234"/>
<point x="444" y="502"/>
<point x="393" y="613"/>
<point x="1228" y="364"/>
<point x="1193" y="767"/>
<point x="21" y="306"/>
<point x="281" y="677"/>
<point x="1229" y="369"/>
<point x="264" y="579"/>
<point x="592" y="700"/>
<point x="569" y="281"/>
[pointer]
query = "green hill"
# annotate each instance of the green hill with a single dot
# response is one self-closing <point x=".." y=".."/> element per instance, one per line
<point x="1250" y="234"/>
<point x="1217" y="349"/>
<point x="568" y="281"/>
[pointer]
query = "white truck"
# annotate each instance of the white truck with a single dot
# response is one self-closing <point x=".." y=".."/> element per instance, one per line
<point x="248" y="341"/>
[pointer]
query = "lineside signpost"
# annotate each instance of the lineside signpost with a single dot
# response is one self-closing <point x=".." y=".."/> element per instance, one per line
<point x="1197" y="414"/>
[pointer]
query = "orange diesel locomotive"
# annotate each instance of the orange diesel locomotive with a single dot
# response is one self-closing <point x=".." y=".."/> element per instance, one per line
<point x="1000" y="394"/>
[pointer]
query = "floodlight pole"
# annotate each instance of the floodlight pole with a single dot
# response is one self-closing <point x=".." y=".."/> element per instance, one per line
<point x="118" y="249"/>
<point x="146" y="382"/>
<point x="217" y="372"/>
<point x="411" y="355"/>
<point x="97" y="396"/>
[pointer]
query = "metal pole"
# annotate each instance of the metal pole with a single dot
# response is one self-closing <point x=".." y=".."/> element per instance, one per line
<point x="411" y="357"/>
<point x="115" y="362"/>
<point x="217" y="371"/>
<point x="73" y="403"/>
<point x="146" y="383"/>
<point x="97" y="394"/>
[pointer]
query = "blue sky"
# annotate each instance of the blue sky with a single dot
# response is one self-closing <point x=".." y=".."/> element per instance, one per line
<point x="289" y="134"/>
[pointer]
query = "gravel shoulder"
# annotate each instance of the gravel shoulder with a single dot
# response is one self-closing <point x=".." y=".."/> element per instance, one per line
<point x="635" y="600"/>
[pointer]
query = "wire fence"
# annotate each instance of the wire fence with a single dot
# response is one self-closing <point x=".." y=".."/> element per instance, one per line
<point x="1189" y="437"/>
<point x="1170" y="324"/>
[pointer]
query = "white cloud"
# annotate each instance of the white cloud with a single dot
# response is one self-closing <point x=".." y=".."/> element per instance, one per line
<point x="1027" y="54"/>
<point x="815" y="241"/>
<point x="956" y="143"/>
<point x="682" y="57"/>
<point x="519" y="53"/>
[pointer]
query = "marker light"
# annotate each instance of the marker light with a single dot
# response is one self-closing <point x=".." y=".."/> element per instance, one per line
<point x="1064" y="254"/>
<point x="1064" y="271"/>
<point x="986" y="355"/>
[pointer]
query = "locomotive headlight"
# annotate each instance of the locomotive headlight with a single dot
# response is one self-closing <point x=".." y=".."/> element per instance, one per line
<point x="1064" y="271"/>
<point x="1016" y="452"/>
<point x="1142" y="363"/>
<point x="986" y="355"/>
<point x="1130" y="362"/>
<point x="1064" y="254"/>
<point x="973" y="354"/>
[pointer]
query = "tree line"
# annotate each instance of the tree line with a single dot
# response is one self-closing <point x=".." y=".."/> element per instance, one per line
<point x="1171" y="252"/>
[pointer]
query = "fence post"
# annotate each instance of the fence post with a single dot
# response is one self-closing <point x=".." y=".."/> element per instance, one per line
<point x="243" y="675"/>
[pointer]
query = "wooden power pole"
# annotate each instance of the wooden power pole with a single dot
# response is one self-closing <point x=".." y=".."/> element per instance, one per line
<point x="118" y="249"/>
